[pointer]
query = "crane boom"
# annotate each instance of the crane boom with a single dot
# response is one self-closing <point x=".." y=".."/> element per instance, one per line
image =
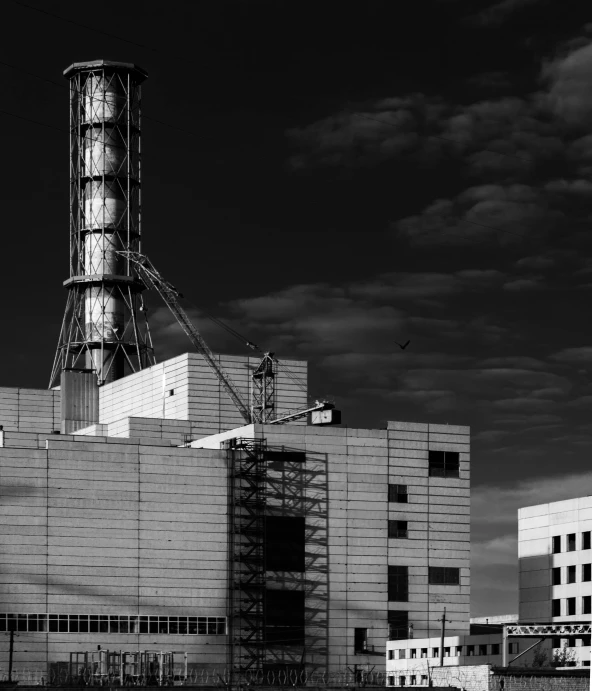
<point x="152" y="278"/>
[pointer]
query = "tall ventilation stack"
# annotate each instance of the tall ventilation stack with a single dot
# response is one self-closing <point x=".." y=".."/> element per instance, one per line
<point x="101" y="331"/>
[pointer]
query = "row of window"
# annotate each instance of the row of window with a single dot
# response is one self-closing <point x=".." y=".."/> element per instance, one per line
<point x="569" y="608"/>
<point x="570" y="542"/>
<point x="570" y="574"/>
<point x="391" y="680"/>
<point x="398" y="580"/>
<point x="104" y="623"/>
<point x="456" y="651"/>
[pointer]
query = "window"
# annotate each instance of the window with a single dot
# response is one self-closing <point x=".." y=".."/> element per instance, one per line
<point x="587" y="572"/>
<point x="398" y="623"/>
<point x="391" y="654"/>
<point x="397" y="494"/>
<point x="424" y="679"/>
<point x="447" y="652"/>
<point x="435" y="652"/>
<point x="571" y="606"/>
<point x="571" y="573"/>
<point x="482" y="649"/>
<point x="397" y="529"/>
<point x="571" y="542"/>
<point x="398" y="583"/>
<point x="413" y="653"/>
<point x="424" y="652"/>
<point x="587" y="604"/>
<point x="103" y="623"/>
<point x="443" y="575"/>
<point x="513" y="648"/>
<point x="470" y="650"/>
<point x="391" y="680"/>
<point x="556" y="642"/>
<point x="360" y="640"/>
<point x="401" y="681"/>
<point x="586" y="540"/>
<point x="556" y="608"/>
<point x="402" y="654"/>
<point x="284" y="541"/>
<point x="495" y="648"/>
<point x="413" y="680"/>
<point x="284" y="616"/>
<point x="556" y="540"/>
<point x="556" y="576"/>
<point x="443" y="463"/>
<point x="284" y="456"/>
<point x="459" y="650"/>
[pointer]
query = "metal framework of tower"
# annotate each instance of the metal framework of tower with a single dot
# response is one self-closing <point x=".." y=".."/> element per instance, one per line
<point x="263" y="393"/>
<point x="101" y="329"/>
<point x="246" y="562"/>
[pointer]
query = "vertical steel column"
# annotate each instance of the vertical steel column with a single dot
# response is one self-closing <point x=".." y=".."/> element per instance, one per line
<point x="263" y="394"/>
<point x="246" y="559"/>
<point x="100" y="330"/>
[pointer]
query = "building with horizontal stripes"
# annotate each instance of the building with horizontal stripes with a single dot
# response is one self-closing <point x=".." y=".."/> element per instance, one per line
<point x="157" y="524"/>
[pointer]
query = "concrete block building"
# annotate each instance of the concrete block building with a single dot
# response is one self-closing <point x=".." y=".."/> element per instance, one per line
<point x="555" y="564"/>
<point x="125" y="533"/>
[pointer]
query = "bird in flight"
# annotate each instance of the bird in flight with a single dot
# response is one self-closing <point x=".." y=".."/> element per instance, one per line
<point x="402" y="347"/>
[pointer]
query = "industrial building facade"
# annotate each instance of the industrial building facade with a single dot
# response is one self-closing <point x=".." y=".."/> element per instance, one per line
<point x="122" y="535"/>
<point x="555" y="562"/>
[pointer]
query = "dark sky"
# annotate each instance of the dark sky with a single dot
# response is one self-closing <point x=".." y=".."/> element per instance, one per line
<point x="329" y="178"/>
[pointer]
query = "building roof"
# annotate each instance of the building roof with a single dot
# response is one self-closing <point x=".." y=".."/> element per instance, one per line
<point x="90" y="65"/>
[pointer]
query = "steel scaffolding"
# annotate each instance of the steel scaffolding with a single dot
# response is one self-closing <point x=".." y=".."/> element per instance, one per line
<point x="246" y="578"/>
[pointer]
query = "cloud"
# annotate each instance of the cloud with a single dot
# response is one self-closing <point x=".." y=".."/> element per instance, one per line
<point x="520" y="284"/>
<point x="535" y="262"/>
<point x="573" y="356"/>
<point x="499" y="12"/>
<point x="570" y="83"/>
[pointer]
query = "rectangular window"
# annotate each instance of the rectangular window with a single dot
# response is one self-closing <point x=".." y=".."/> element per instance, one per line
<point x="402" y="654"/>
<point x="391" y="680"/>
<point x="397" y="529"/>
<point x="470" y="650"/>
<point x="571" y="606"/>
<point x="413" y="653"/>
<point x="397" y="494"/>
<point x="391" y="654"/>
<point x="556" y="642"/>
<point x="413" y="679"/>
<point x="495" y="648"/>
<point x="513" y="648"/>
<point x="284" y="617"/>
<point x="401" y="681"/>
<point x="435" y="652"/>
<point x="360" y="640"/>
<point x="571" y="542"/>
<point x="424" y="652"/>
<point x="571" y="573"/>
<point x="443" y="575"/>
<point x="587" y="572"/>
<point x="556" y="575"/>
<point x="443" y="463"/>
<point x="285" y="456"/>
<point x="284" y="541"/>
<point x="482" y="649"/>
<point x="586" y="540"/>
<point x="398" y="623"/>
<point x="556" y="543"/>
<point x="398" y="583"/>
<point x="556" y="608"/>
<point x="459" y="650"/>
<point x="587" y="604"/>
<point x="424" y="679"/>
<point x="447" y="652"/>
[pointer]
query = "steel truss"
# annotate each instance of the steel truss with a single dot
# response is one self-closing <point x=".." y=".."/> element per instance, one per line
<point x="101" y="329"/>
<point x="263" y="395"/>
<point x="538" y="630"/>
<point x="246" y="578"/>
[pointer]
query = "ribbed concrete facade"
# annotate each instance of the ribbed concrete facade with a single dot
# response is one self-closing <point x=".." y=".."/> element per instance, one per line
<point x="128" y="524"/>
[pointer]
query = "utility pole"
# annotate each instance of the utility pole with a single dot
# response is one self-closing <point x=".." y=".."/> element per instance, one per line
<point x="442" y="633"/>
<point x="11" y="628"/>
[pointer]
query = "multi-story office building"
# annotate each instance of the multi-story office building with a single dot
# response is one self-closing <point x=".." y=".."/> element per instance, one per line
<point x="555" y="562"/>
<point x="135" y="532"/>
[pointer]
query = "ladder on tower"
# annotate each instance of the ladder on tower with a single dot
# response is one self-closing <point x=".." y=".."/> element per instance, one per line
<point x="246" y="562"/>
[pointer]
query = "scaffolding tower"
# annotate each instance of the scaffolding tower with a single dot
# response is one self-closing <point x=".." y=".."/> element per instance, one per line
<point x="246" y="578"/>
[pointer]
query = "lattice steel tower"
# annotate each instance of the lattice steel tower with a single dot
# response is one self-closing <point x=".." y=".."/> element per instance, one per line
<point x="101" y="329"/>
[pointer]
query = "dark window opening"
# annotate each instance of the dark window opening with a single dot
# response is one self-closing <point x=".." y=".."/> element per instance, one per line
<point x="587" y="572"/>
<point x="587" y="604"/>
<point x="398" y="624"/>
<point x="571" y="606"/>
<point x="495" y="648"/>
<point x="360" y="640"/>
<point x="443" y="575"/>
<point x="586" y="540"/>
<point x="443" y="463"/>
<point x="556" y="544"/>
<point x="398" y="494"/>
<point x="286" y="456"/>
<point x="571" y="542"/>
<point x="398" y="583"/>
<point x="284" y="543"/>
<point x="397" y="529"/>
<point x="571" y="573"/>
<point x="284" y="617"/>
<point x="556" y="579"/>
<point x="556" y="608"/>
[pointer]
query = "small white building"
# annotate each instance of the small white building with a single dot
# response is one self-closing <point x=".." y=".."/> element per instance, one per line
<point x="409" y="662"/>
<point x="555" y="564"/>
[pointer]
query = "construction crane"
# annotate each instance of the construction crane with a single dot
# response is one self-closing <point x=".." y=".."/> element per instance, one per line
<point x="261" y="409"/>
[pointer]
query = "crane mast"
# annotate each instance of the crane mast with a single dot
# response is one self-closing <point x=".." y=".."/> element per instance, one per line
<point x="261" y="409"/>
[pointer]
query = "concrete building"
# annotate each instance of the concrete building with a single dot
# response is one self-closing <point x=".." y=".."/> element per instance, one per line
<point x="555" y="564"/>
<point x="122" y="534"/>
